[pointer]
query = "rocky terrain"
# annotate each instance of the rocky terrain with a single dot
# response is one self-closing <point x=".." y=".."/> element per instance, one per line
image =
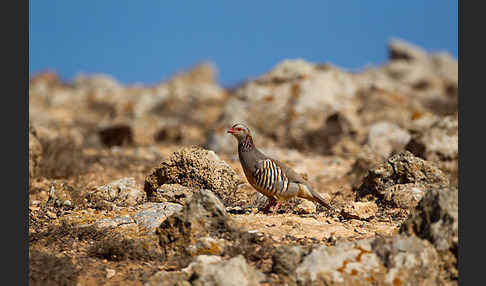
<point x="141" y="185"/>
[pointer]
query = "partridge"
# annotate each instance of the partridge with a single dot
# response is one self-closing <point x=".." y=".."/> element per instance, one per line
<point x="269" y="176"/>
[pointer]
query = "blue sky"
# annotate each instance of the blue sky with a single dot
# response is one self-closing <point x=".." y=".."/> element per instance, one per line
<point x="148" y="41"/>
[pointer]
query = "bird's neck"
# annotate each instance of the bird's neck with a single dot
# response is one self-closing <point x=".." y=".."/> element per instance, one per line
<point x="246" y="144"/>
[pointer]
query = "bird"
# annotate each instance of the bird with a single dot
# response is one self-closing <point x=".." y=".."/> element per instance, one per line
<point x="269" y="176"/>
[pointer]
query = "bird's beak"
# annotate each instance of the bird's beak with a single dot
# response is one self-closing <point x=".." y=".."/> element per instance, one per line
<point x="231" y="131"/>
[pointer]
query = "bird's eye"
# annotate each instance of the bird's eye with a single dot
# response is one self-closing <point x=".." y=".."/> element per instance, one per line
<point x="238" y="129"/>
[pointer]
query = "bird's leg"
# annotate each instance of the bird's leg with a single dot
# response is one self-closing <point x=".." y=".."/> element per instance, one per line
<point x="271" y="202"/>
<point x="275" y="209"/>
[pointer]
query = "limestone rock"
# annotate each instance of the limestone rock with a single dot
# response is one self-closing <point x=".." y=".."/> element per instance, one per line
<point x="408" y="261"/>
<point x="385" y="137"/>
<point x="399" y="260"/>
<point x="164" y="278"/>
<point x="234" y="271"/>
<point x="204" y="215"/>
<point x="359" y="210"/>
<point x="402" y="180"/>
<point x="439" y="143"/>
<point x="436" y="219"/>
<point x="305" y="207"/>
<point x="286" y="259"/>
<point x="172" y="193"/>
<point x="207" y="246"/>
<point x="122" y="192"/>
<point x="96" y="81"/>
<point x="196" y="168"/>
<point x="335" y="265"/>
<point x="402" y="50"/>
<point x="153" y="214"/>
<point x="113" y="222"/>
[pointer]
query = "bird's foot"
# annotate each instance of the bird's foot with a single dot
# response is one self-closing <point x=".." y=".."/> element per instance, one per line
<point x="272" y="202"/>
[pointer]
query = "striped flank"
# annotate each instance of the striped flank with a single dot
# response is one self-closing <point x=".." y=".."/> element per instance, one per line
<point x="270" y="178"/>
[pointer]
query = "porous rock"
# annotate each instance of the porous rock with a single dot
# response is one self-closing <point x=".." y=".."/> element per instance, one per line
<point x="385" y="137"/>
<point x="436" y="219"/>
<point x="402" y="180"/>
<point x="207" y="246"/>
<point x="96" y="81"/>
<point x="408" y="261"/>
<point x="439" y="143"/>
<point x="172" y="193"/>
<point x="191" y="102"/>
<point x="148" y="218"/>
<point x="196" y="168"/>
<point x="335" y="265"/>
<point x="286" y="259"/>
<point x="164" y="278"/>
<point x="399" y="260"/>
<point x="359" y="210"/>
<point x="153" y="214"/>
<point x="401" y="50"/>
<point x="204" y="215"/>
<point x="305" y="207"/>
<point x="113" y="222"/>
<point x="366" y="159"/>
<point x="123" y="192"/>
<point x="234" y="271"/>
<point x="433" y="77"/>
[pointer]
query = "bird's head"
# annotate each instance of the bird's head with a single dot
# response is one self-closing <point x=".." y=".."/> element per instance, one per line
<point x="240" y="131"/>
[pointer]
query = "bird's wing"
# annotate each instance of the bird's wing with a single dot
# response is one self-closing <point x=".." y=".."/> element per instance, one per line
<point x="291" y="175"/>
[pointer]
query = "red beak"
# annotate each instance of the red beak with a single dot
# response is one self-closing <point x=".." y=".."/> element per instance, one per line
<point x="231" y="131"/>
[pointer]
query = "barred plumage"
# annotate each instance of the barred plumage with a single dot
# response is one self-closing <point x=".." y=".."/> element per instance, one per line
<point x="270" y="178"/>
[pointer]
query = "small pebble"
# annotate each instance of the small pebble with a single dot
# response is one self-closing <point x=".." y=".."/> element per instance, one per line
<point x="110" y="273"/>
<point x="51" y="214"/>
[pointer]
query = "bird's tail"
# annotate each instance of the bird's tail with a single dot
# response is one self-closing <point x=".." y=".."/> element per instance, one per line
<point x="309" y="193"/>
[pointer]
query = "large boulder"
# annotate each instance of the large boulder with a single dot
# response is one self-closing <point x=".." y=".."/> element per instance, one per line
<point x="204" y="215"/>
<point x="399" y="260"/>
<point x="436" y="219"/>
<point x="196" y="168"/>
<point x="402" y="180"/>
<point x="432" y="76"/>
